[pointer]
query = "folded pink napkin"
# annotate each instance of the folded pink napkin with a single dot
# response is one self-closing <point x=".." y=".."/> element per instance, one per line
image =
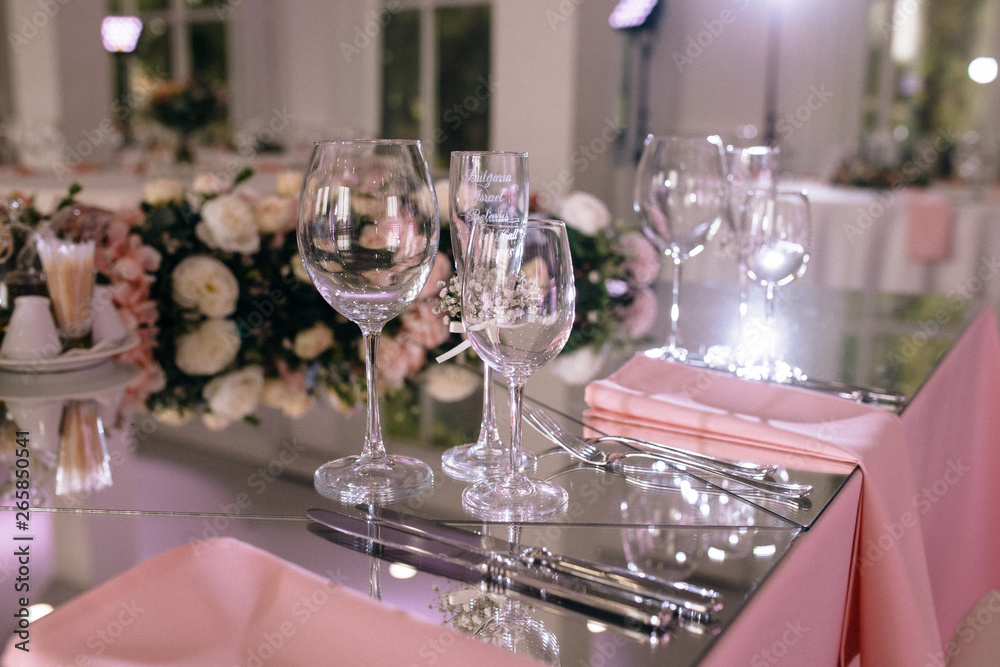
<point x="894" y="623"/>
<point x="224" y="602"/>
<point x="930" y="218"/>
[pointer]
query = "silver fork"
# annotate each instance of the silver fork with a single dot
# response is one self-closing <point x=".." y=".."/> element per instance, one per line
<point x="552" y="429"/>
<point x="620" y="462"/>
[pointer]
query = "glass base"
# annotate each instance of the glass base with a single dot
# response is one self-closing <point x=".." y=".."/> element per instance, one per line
<point x="474" y="461"/>
<point x="388" y="480"/>
<point x="517" y="500"/>
<point x="668" y="352"/>
<point x="774" y="371"/>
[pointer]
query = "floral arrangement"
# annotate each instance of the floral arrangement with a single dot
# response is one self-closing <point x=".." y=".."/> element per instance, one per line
<point x="240" y="321"/>
<point x="185" y="107"/>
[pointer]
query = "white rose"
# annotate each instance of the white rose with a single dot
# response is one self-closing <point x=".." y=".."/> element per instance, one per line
<point x="289" y="184"/>
<point x="299" y="270"/>
<point x="173" y="416"/>
<point x="277" y="394"/>
<point x="208" y="184"/>
<point x="312" y="342"/>
<point x="584" y="212"/>
<point x="579" y="366"/>
<point x="206" y="284"/>
<point x="209" y="348"/>
<point x="227" y="223"/>
<point x="235" y="395"/>
<point x="273" y="214"/>
<point x="215" y="422"/>
<point x="448" y="383"/>
<point x="162" y="191"/>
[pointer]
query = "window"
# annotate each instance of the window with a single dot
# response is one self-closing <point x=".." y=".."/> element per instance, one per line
<point x="436" y="76"/>
<point x="181" y="41"/>
<point x="920" y="91"/>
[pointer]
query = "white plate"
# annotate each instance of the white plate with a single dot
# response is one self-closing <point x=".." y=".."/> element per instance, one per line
<point x="73" y="361"/>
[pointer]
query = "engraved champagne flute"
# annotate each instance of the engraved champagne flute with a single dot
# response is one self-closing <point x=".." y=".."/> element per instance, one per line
<point x="490" y="186"/>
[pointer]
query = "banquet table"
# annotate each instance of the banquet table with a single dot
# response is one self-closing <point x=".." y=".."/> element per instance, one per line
<point x="793" y="579"/>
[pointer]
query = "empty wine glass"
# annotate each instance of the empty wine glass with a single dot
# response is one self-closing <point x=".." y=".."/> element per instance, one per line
<point x="518" y="301"/>
<point x="680" y="191"/>
<point x="776" y="252"/>
<point x="491" y="186"/>
<point x="368" y="229"/>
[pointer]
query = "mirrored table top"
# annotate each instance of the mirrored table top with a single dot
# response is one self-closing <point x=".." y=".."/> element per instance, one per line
<point x="189" y="484"/>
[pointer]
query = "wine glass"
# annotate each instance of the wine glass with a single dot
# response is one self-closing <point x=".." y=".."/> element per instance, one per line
<point x="518" y="301"/>
<point x="680" y="196"/>
<point x="776" y="252"/>
<point x="368" y="229"/>
<point x="483" y="185"/>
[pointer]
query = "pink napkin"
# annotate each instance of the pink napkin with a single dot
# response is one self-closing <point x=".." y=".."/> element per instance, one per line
<point x="224" y="602"/>
<point x="929" y="217"/>
<point x="890" y="615"/>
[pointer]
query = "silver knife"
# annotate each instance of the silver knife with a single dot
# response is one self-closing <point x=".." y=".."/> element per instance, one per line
<point x="694" y="603"/>
<point x="497" y="574"/>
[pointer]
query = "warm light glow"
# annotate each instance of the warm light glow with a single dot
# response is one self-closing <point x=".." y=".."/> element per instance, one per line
<point x="36" y="611"/>
<point x="765" y="550"/>
<point x="401" y="571"/>
<point x="120" y="34"/>
<point x="596" y="627"/>
<point x="983" y="70"/>
<point x="631" y="13"/>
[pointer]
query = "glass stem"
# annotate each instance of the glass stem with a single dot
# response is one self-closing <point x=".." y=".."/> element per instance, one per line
<point x="374" y="450"/>
<point x="675" y="293"/>
<point x="771" y="333"/>
<point x="515" y="462"/>
<point x="489" y="436"/>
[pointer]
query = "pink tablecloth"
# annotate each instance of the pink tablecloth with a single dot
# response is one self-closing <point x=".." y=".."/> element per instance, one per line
<point x="927" y="475"/>
<point x="224" y="602"/>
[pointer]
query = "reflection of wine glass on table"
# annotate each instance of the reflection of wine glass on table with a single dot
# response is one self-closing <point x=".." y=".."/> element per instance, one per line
<point x="489" y="186"/>
<point x="776" y="252"/>
<point x="368" y="230"/>
<point x="680" y="190"/>
<point x="518" y="300"/>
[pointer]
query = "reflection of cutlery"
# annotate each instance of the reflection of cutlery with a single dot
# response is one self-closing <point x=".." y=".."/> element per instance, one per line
<point x="853" y="392"/>
<point x="550" y="428"/>
<point x="628" y="463"/>
<point x="499" y="574"/>
<point x="693" y="601"/>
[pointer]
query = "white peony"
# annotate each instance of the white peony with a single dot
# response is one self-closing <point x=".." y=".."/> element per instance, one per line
<point x="583" y="212"/>
<point x="277" y="394"/>
<point x="209" y="348"/>
<point x="205" y="284"/>
<point x="228" y="224"/>
<point x="162" y="191"/>
<point x="448" y="383"/>
<point x="273" y="214"/>
<point x="235" y="394"/>
<point x="579" y="366"/>
<point x="288" y="185"/>
<point x="312" y="342"/>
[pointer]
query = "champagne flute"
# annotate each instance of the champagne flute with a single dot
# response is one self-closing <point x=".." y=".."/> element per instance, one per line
<point x="493" y="186"/>
<point x="518" y="301"/>
<point x="680" y="192"/>
<point x="776" y="253"/>
<point x="368" y="229"/>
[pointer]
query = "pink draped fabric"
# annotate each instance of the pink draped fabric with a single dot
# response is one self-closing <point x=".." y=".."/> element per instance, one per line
<point x="889" y="615"/>
<point x="224" y="602"/>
